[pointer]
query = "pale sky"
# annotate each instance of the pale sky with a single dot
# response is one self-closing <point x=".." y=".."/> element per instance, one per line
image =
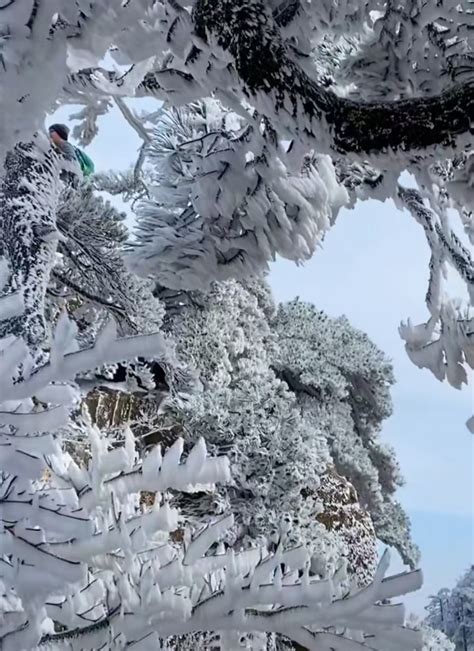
<point x="373" y="268"/>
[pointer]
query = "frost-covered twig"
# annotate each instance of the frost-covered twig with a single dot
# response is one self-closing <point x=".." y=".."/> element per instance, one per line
<point x="106" y="348"/>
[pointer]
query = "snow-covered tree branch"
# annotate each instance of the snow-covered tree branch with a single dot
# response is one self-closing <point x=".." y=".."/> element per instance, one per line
<point x="445" y="344"/>
<point x="211" y="46"/>
<point x="222" y="203"/>
<point x="285" y="94"/>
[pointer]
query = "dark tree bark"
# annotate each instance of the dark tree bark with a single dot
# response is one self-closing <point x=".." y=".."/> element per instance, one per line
<point x="248" y="31"/>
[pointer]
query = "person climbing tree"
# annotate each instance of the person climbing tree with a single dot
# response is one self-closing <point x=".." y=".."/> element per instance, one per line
<point x="59" y="134"/>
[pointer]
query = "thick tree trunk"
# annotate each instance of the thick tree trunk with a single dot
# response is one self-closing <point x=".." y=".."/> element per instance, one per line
<point x="281" y="90"/>
<point x="28" y="201"/>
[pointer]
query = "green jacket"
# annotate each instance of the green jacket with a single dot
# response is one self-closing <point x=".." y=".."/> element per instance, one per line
<point x="87" y="165"/>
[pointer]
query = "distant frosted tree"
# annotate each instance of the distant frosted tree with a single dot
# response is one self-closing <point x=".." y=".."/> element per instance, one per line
<point x="452" y="611"/>
<point x="462" y="609"/>
<point x="437" y="610"/>
<point x="434" y="640"/>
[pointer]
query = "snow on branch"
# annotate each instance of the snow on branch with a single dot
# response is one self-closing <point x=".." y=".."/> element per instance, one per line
<point x="245" y="32"/>
<point x="427" y="56"/>
<point x="66" y="365"/>
<point x="445" y="344"/>
<point x="237" y="603"/>
<point x="411" y="66"/>
<point x="223" y="203"/>
<point x="226" y="57"/>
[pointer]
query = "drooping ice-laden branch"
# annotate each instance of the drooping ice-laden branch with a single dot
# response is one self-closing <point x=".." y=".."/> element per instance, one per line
<point x="65" y="362"/>
<point x="222" y="202"/>
<point x="238" y="592"/>
<point x="422" y="86"/>
<point x="446" y="342"/>
<point x="221" y="47"/>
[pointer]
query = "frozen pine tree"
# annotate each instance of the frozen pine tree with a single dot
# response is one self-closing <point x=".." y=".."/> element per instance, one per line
<point x="328" y="104"/>
<point x="244" y="410"/>
<point x="461" y="612"/>
<point x="434" y="640"/>
<point x="452" y="611"/>
<point x="342" y="382"/>
<point x="297" y="401"/>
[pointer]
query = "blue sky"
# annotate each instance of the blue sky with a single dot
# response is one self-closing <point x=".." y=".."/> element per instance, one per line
<point x="373" y="267"/>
